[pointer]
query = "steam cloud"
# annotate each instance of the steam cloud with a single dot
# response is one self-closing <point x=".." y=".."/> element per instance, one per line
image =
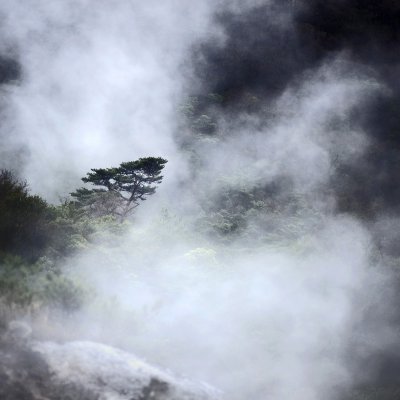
<point x="307" y="94"/>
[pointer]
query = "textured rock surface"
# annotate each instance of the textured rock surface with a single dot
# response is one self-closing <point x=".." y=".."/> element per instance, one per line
<point x="85" y="371"/>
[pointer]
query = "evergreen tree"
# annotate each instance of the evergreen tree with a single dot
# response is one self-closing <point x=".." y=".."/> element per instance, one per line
<point x="119" y="190"/>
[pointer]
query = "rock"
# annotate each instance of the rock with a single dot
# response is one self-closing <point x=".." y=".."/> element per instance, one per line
<point x="87" y="371"/>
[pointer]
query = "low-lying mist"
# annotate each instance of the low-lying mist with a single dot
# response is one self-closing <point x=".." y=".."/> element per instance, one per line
<point x="251" y="322"/>
<point x="274" y="311"/>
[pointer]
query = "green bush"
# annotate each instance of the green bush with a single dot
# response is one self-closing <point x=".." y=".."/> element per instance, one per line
<point x="24" y="219"/>
<point x="31" y="287"/>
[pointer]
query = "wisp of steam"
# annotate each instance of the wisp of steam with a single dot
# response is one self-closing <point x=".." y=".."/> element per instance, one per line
<point x="103" y="82"/>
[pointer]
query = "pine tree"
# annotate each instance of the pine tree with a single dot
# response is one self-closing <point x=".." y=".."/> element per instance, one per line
<point x="119" y="190"/>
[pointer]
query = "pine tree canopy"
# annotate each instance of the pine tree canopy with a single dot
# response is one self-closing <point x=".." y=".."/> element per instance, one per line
<point x="119" y="190"/>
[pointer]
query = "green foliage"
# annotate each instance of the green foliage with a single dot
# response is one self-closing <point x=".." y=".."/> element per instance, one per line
<point x="73" y="229"/>
<point x="204" y="124"/>
<point x="24" y="219"/>
<point x="35" y="286"/>
<point x="259" y="215"/>
<point x="30" y="228"/>
<point x="199" y="114"/>
<point x="119" y="190"/>
<point x="61" y="293"/>
<point x="35" y="238"/>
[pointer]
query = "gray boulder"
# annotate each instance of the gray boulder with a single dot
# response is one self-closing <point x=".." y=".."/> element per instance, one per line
<point x="86" y="371"/>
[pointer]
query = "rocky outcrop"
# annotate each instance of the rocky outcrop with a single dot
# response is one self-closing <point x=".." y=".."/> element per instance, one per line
<point x="32" y="370"/>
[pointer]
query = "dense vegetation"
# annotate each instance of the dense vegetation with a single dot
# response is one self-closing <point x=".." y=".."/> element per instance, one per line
<point x="36" y="238"/>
